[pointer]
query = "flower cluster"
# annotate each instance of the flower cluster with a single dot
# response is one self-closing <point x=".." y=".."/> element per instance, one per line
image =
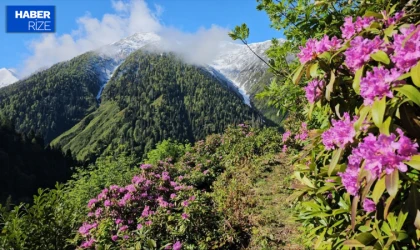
<point x="314" y="90"/>
<point x="377" y="84"/>
<point x="124" y="210"/>
<point x="313" y="48"/>
<point x="340" y="134"/>
<point x="380" y="154"/>
<point x="286" y="135"/>
<point x="360" y="51"/>
<point x="349" y="28"/>
<point x="303" y="133"/>
<point x="407" y="48"/>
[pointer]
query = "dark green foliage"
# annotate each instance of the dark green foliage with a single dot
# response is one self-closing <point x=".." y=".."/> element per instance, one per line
<point x="153" y="97"/>
<point x="44" y="225"/>
<point x="52" y="101"/>
<point x="25" y="165"/>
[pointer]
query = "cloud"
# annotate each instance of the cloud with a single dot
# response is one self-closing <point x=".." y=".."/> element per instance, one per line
<point x="129" y="17"/>
<point x="92" y="33"/>
<point x="197" y="48"/>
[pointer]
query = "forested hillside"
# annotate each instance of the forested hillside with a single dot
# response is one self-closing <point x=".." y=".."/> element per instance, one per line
<point x="53" y="100"/>
<point x="152" y="97"/>
<point x="25" y="165"/>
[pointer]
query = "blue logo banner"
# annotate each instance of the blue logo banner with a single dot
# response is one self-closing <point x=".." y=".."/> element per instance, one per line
<point x="37" y="19"/>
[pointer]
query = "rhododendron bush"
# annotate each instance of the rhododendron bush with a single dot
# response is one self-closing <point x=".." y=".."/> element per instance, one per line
<point x="157" y="210"/>
<point x="358" y="185"/>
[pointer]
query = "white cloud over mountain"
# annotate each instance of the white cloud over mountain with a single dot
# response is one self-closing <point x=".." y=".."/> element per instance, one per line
<point x="129" y="17"/>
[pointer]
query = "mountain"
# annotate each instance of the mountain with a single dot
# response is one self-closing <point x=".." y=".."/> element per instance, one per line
<point x="240" y="65"/>
<point x="233" y="63"/>
<point x="52" y="101"/>
<point x="7" y="77"/>
<point x="152" y="97"/>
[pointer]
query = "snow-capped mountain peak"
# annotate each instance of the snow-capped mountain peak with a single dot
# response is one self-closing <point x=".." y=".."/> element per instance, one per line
<point x="122" y="48"/>
<point x="235" y="62"/>
<point x="7" y="77"/>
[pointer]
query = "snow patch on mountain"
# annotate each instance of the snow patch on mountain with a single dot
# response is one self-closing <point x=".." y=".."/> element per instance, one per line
<point x="107" y="71"/>
<point x="124" y="47"/>
<point x="234" y="64"/>
<point x="7" y="77"/>
<point x="240" y="65"/>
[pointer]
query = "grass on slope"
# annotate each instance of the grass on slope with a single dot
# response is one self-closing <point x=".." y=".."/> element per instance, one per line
<point x="92" y="131"/>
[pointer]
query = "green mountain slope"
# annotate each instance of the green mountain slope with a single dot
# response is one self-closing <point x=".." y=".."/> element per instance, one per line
<point x="52" y="101"/>
<point x="152" y="97"/>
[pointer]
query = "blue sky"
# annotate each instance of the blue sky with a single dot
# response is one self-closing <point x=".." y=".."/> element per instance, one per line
<point x="81" y="25"/>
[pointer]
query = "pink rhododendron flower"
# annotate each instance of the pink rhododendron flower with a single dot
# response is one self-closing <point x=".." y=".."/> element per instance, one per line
<point x="114" y="237"/>
<point x="313" y="48"/>
<point x="185" y="203"/>
<point x="377" y="84"/>
<point x="284" y="149"/>
<point x="286" y="135"/>
<point x="145" y="166"/>
<point x="369" y="205"/>
<point x="185" y="216"/>
<point x="407" y="51"/>
<point x="92" y="202"/>
<point x="85" y="228"/>
<point x="340" y="134"/>
<point x="88" y="243"/>
<point x="165" y="176"/>
<point x="107" y="203"/>
<point x="177" y="246"/>
<point x="382" y="153"/>
<point x="349" y="28"/>
<point x="349" y="179"/>
<point x="360" y="51"/>
<point x="394" y="19"/>
<point x="314" y="90"/>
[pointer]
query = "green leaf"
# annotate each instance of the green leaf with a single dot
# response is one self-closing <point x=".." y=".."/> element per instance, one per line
<point x="411" y="92"/>
<point x="330" y="87"/>
<point x="380" y="56"/>
<point x="320" y="239"/>
<point x="353" y="243"/>
<point x="298" y="74"/>
<point x="390" y="31"/>
<point x="414" y="162"/>
<point x="391" y="183"/>
<point x="378" y="190"/>
<point x="405" y="76"/>
<point x="378" y="111"/>
<point x="373" y="14"/>
<point x="415" y="74"/>
<point x="417" y="220"/>
<point x="365" y="238"/>
<point x="402" y="216"/>
<point x="384" y="128"/>
<point x="314" y="70"/>
<point x="354" y="204"/>
<point x="388" y="203"/>
<point x="334" y="160"/>
<point x="357" y="78"/>
<point x="362" y="116"/>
